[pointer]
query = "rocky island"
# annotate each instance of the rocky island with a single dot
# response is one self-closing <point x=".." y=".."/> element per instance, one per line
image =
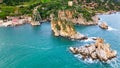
<point x="98" y="51"/>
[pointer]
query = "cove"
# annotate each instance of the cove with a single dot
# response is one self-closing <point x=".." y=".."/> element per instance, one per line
<point x="36" y="47"/>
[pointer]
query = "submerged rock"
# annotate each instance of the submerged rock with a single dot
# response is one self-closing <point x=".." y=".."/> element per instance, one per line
<point x="103" y="26"/>
<point x="97" y="51"/>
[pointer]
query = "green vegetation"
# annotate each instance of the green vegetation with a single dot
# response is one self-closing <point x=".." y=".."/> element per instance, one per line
<point x="63" y="24"/>
<point x="17" y="7"/>
<point x="87" y="8"/>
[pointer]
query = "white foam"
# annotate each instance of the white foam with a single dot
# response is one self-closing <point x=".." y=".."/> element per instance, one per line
<point x="88" y="60"/>
<point x="111" y="29"/>
<point x="114" y="63"/>
<point x="90" y="39"/>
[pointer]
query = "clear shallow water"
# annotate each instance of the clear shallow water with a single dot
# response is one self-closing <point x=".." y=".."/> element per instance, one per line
<point x="36" y="47"/>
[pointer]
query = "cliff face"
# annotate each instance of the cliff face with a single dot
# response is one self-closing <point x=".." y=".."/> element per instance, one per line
<point x="63" y="26"/>
<point x="65" y="29"/>
<point x="36" y="17"/>
<point x="68" y="15"/>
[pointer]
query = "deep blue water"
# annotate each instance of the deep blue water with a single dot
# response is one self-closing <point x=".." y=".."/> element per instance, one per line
<point x="36" y="47"/>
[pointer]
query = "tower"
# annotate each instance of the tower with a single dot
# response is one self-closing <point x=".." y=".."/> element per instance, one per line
<point x="1" y="1"/>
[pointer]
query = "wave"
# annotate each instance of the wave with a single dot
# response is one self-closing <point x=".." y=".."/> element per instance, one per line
<point x="88" y="60"/>
<point x="114" y="63"/>
<point x="111" y="29"/>
<point x="90" y="39"/>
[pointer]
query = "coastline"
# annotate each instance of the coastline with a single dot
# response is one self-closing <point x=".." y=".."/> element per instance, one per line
<point x="26" y="39"/>
<point x="28" y="20"/>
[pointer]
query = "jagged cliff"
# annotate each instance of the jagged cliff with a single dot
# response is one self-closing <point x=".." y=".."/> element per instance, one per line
<point x="66" y="29"/>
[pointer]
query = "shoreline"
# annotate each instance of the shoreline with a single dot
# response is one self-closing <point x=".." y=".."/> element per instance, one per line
<point x="28" y="20"/>
<point x="17" y="21"/>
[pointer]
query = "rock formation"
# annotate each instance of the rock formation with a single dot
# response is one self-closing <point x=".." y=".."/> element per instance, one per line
<point x="66" y="29"/>
<point x="68" y="15"/>
<point x="35" y="23"/>
<point x="63" y="26"/>
<point x="103" y="26"/>
<point x="36" y="17"/>
<point x="80" y="20"/>
<point x="97" y="51"/>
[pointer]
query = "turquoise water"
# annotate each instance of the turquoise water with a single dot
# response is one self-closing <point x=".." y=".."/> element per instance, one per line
<point x="36" y="47"/>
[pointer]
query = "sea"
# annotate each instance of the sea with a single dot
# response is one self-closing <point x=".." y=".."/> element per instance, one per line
<point x="36" y="47"/>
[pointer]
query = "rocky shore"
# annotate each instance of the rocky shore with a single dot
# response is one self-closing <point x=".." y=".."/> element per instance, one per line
<point x="98" y="51"/>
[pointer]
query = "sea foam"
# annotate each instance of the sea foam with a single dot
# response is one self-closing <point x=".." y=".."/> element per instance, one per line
<point x="111" y="29"/>
<point x="90" y="39"/>
<point x="114" y="63"/>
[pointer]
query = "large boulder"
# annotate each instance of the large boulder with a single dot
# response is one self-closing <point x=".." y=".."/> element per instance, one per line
<point x="103" y="26"/>
<point x="97" y="51"/>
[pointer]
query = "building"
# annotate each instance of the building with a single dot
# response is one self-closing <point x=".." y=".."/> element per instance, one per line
<point x="1" y="1"/>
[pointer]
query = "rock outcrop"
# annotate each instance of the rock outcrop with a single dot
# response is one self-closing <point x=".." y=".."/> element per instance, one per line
<point x="66" y="29"/>
<point x="68" y="15"/>
<point x="97" y="51"/>
<point x="36" y="17"/>
<point x="35" y="23"/>
<point x="103" y="26"/>
<point x="82" y="21"/>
